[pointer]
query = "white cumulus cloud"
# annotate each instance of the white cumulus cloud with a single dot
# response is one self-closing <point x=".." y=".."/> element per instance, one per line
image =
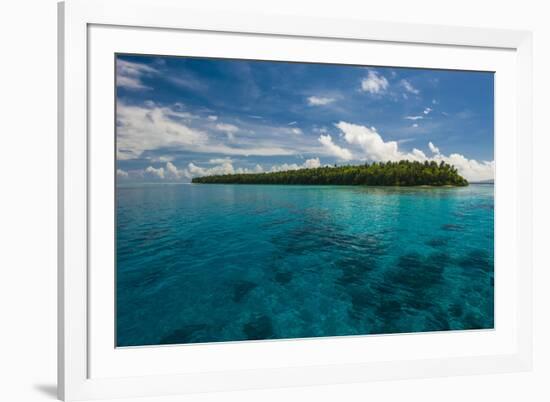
<point x="370" y="142"/>
<point x="312" y="163"/>
<point x="256" y="169"/>
<point x="218" y="161"/>
<point x="152" y="127"/>
<point x="374" y="83"/>
<point x="471" y="169"/>
<point x="319" y="100"/>
<point x="168" y="172"/>
<point x="375" y="149"/>
<point x="155" y="172"/>
<point x="433" y="148"/>
<point x="148" y="128"/>
<point x="129" y="74"/>
<point x="174" y="173"/>
<point x="228" y="129"/>
<point x="224" y="167"/>
<point x="333" y="149"/>
<point x="409" y="87"/>
<point x="308" y="164"/>
<point x="197" y="171"/>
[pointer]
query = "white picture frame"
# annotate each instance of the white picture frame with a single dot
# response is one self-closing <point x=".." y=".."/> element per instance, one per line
<point x="88" y="369"/>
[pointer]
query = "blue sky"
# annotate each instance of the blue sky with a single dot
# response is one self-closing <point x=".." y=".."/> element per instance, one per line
<point x="181" y="117"/>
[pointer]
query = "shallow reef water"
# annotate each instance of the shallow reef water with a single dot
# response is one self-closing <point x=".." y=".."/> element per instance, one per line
<point x="212" y="263"/>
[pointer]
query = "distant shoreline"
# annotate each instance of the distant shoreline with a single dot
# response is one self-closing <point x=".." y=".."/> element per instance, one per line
<point x="426" y="186"/>
<point x="160" y="183"/>
<point x="490" y="181"/>
<point x="400" y="174"/>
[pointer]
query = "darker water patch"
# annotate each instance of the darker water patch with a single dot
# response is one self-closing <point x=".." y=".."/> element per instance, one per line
<point x="413" y="271"/>
<point x="362" y="301"/>
<point x="390" y="308"/>
<point x="150" y="278"/>
<point x="148" y="235"/>
<point x="451" y="227"/>
<point x="437" y="320"/>
<point x="304" y="240"/>
<point x="405" y="289"/>
<point x="440" y="259"/>
<point x="456" y="310"/>
<point x="241" y="289"/>
<point x="144" y="278"/>
<point x="478" y="259"/>
<point x="260" y="327"/>
<point x="484" y="206"/>
<point x="186" y="334"/>
<point x="277" y="222"/>
<point x="283" y="277"/>
<point x="410" y="288"/>
<point x="475" y="320"/>
<point x="323" y="235"/>
<point x="307" y="235"/>
<point x="165" y="246"/>
<point x="438" y="242"/>
<point x="355" y="270"/>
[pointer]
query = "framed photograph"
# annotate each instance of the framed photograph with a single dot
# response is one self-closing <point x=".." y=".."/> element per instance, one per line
<point x="252" y="201"/>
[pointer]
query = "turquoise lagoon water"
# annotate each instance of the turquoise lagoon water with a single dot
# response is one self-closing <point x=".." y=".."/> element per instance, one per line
<point x="209" y="263"/>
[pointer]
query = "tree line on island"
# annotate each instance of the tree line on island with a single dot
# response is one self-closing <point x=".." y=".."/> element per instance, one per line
<point x="402" y="173"/>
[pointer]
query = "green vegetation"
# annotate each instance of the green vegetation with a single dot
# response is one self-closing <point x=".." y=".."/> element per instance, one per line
<point x="402" y="173"/>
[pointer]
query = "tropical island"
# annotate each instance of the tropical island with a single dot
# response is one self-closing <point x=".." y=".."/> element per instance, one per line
<point x="402" y="173"/>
